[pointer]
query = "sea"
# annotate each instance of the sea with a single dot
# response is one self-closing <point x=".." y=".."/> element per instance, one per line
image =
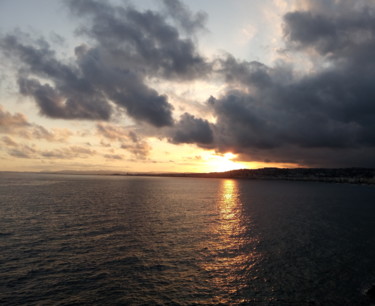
<point x="126" y="240"/>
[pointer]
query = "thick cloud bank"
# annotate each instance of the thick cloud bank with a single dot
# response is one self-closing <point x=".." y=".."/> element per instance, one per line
<point x="326" y="117"/>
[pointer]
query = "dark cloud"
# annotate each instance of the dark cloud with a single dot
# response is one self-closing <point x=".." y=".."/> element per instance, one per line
<point x="84" y="92"/>
<point x="313" y="157"/>
<point x="326" y="117"/>
<point x="192" y="130"/>
<point x="142" y="41"/>
<point x="124" y="86"/>
<point x="345" y="34"/>
<point x="70" y="97"/>
<point x="253" y="73"/>
<point x="186" y="19"/>
<point x="127" y="48"/>
<point x="56" y="103"/>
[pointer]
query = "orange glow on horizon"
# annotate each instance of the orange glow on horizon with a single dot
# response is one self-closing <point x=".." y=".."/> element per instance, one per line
<point x="222" y="163"/>
<point x="211" y="161"/>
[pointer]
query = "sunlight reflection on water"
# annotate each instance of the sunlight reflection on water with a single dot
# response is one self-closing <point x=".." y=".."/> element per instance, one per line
<point x="234" y="253"/>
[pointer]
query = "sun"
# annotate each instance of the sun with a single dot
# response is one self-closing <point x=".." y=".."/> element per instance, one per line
<point x="223" y="162"/>
<point x="229" y="155"/>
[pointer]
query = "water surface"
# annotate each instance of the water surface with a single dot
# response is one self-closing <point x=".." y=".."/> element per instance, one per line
<point x="146" y="240"/>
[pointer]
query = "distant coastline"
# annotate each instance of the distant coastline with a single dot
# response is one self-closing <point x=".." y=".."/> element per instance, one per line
<point x="328" y="175"/>
<point x="336" y="175"/>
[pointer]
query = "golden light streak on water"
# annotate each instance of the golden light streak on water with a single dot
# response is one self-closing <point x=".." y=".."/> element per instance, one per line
<point x="234" y="252"/>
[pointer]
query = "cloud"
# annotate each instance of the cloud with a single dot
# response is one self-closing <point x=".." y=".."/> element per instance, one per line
<point x="21" y="150"/>
<point x="142" y="41"/>
<point x="187" y="20"/>
<point x="59" y="103"/>
<point x="54" y="134"/>
<point x="347" y="35"/>
<point x="113" y="156"/>
<point x="9" y="141"/>
<point x="70" y="96"/>
<point x="112" y="132"/>
<point x="8" y="121"/>
<point x="18" y="125"/>
<point x="325" y="117"/>
<point x="192" y="130"/>
<point x="128" y="47"/>
<point x="128" y="139"/>
<point x="67" y="153"/>
<point x="140" y="149"/>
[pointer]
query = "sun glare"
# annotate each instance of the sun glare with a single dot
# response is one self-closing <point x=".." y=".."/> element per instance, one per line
<point x="222" y="163"/>
<point x="229" y="155"/>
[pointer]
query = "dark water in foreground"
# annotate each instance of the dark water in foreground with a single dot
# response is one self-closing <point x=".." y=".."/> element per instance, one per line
<point x="69" y="240"/>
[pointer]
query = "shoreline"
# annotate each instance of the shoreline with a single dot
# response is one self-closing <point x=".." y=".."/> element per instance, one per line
<point x="363" y="176"/>
<point x="337" y="175"/>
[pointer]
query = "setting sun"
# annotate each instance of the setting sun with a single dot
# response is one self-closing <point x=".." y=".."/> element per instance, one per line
<point x="221" y="163"/>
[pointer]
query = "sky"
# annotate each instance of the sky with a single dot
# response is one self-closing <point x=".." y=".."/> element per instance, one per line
<point x="186" y="85"/>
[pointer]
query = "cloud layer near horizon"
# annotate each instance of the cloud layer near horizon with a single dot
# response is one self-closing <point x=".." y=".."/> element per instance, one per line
<point x="324" y="116"/>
